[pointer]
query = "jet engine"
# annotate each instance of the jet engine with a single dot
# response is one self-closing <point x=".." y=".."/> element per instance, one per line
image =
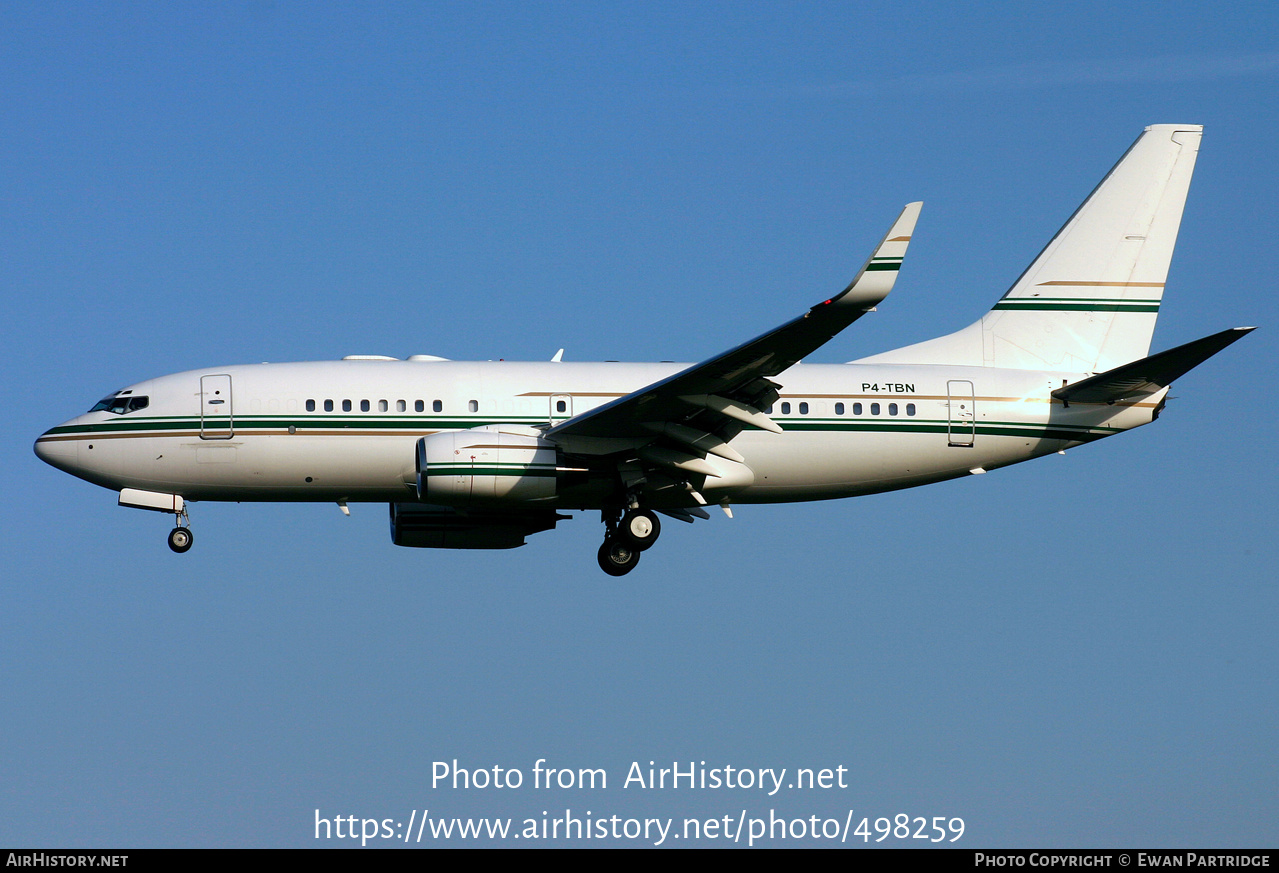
<point x="486" y="464"/>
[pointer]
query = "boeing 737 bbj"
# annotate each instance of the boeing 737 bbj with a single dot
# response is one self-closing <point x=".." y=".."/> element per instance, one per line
<point x="481" y="455"/>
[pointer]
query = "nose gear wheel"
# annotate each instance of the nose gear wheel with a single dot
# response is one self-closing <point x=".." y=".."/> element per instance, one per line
<point x="180" y="539"/>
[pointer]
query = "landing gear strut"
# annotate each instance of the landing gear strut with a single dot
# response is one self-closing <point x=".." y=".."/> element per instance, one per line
<point x="181" y="538"/>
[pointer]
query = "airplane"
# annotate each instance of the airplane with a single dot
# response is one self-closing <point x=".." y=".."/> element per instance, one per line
<point x="481" y="455"/>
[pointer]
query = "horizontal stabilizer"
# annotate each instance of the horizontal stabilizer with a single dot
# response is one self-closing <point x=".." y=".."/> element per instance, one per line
<point x="1149" y="375"/>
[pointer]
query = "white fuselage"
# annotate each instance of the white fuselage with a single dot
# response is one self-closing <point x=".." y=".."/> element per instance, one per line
<point x="346" y="430"/>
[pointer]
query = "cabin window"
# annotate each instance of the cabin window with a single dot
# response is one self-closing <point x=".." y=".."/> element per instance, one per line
<point x="437" y="405"/>
<point x="401" y="406"/>
<point x="892" y="409"/>
<point x="346" y="406"/>
<point x="874" y="409"/>
<point x="473" y="405"/>
<point x="769" y="410"/>
<point x="383" y="406"/>
<point x="561" y="406"/>
<point x="857" y="409"/>
<point x="419" y="406"/>
<point x="364" y="406"/>
<point x="310" y="406"/>
<point x="839" y="409"/>
<point x="328" y="406"/>
<point x="803" y="409"/>
<point x="910" y="409"/>
<point x="786" y="408"/>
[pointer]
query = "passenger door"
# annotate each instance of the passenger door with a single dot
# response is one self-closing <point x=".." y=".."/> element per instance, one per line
<point x="215" y="408"/>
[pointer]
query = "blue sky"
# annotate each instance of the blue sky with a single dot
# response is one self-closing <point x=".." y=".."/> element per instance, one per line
<point x="1074" y="652"/>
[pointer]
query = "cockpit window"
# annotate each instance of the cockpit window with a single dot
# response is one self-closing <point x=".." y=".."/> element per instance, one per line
<point x="121" y="404"/>
<point x="107" y="403"/>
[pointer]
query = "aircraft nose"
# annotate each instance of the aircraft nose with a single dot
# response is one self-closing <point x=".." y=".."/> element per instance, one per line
<point x="55" y="452"/>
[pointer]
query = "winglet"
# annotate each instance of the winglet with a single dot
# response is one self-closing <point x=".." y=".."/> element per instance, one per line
<point x="876" y="277"/>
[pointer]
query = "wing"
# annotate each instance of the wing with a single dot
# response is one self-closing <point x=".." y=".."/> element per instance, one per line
<point x="702" y="408"/>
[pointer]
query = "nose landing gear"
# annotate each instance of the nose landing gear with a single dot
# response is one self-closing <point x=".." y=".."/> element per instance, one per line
<point x="181" y="538"/>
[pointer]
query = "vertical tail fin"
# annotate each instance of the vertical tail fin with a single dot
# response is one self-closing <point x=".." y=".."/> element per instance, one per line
<point x="1088" y="303"/>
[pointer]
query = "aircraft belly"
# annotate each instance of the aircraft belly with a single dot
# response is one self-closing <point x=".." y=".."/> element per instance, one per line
<point x="815" y="465"/>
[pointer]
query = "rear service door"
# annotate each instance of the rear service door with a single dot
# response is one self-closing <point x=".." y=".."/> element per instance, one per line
<point x="962" y="426"/>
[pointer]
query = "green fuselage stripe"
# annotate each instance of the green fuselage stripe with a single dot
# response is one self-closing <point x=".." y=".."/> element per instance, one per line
<point x="361" y="425"/>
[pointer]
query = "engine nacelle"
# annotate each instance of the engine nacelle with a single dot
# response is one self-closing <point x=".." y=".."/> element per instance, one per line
<point x="486" y="464"/>
<point x="441" y="527"/>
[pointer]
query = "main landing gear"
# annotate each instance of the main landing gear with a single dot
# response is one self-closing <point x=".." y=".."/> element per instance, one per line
<point x="624" y="539"/>
<point x="181" y="538"/>
<point x="616" y="558"/>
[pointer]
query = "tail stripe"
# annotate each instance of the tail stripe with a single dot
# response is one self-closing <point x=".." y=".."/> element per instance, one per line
<point x="1079" y="304"/>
